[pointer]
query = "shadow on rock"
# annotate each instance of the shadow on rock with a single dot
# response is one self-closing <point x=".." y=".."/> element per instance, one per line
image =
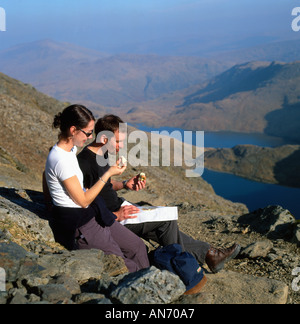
<point x="287" y="171"/>
<point x="30" y="200"/>
<point x="273" y="221"/>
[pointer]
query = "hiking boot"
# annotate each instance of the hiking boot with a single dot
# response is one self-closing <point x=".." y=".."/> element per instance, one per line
<point x="216" y="258"/>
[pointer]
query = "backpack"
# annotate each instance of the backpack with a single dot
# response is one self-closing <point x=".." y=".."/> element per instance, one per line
<point x="183" y="264"/>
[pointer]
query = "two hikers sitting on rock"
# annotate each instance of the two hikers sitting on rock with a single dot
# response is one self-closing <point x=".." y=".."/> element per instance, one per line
<point x="87" y="209"/>
<point x="81" y="219"/>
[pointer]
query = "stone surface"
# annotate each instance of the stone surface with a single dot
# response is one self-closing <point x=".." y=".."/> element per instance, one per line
<point x="39" y="271"/>
<point x="150" y="286"/>
<point x="81" y="265"/>
<point x="91" y="298"/>
<point x="257" y="249"/>
<point x="274" y="221"/>
<point x="296" y="238"/>
<point x="54" y="293"/>
<point x="18" y="210"/>
<point x="229" y="287"/>
<point x="16" y="261"/>
<point x="114" y="265"/>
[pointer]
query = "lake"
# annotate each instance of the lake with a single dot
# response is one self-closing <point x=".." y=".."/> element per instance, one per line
<point x="225" y="139"/>
<point x="253" y="194"/>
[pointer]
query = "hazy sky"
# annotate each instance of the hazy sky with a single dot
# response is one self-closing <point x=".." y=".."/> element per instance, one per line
<point x="149" y="25"/>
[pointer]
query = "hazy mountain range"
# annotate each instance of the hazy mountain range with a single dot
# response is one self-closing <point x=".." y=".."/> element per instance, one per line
<point x="68" y="72"/>
<point x="252" y="97"/>
<point x="260" y="97"/>
<point x="189" y="92"/>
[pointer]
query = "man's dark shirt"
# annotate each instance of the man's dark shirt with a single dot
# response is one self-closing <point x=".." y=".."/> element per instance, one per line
<point x="92" y="172"/>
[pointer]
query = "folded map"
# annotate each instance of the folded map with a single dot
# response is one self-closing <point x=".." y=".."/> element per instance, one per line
<point x="152" y="214"/>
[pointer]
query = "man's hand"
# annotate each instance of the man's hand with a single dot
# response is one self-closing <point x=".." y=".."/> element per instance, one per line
<point x="135" y="185"/>
<point x="126" y="212"/>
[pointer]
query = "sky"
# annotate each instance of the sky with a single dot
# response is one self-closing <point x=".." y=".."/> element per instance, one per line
<point x="149" y="26"/>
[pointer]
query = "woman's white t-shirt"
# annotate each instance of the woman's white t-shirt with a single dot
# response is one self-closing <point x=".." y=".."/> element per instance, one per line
<point x="62" y="165"/>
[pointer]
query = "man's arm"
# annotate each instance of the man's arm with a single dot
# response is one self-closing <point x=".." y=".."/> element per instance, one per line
<point x="117" y="185"/>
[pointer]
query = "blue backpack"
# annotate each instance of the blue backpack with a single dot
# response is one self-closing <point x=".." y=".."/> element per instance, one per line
<point x="183" y="264"/>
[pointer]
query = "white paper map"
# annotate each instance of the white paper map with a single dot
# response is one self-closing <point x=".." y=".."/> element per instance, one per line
<point x="153" y="214"/>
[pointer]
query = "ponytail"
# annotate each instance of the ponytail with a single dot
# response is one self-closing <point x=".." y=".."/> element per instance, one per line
<point x="75" y="115"/>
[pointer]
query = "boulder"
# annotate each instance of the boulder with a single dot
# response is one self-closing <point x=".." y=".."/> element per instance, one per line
<point x="16" y="261"/>
<point x="296" y="238"/>
<point x="274" y="221"/>
<point x="82" y="264"/>
<point x="19" y="211"/>
<point x="54" y="293"/>
<point x="149" y="286"/>
<point x="258" y="249"/>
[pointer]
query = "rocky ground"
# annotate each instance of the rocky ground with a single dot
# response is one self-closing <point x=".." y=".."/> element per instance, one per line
<point x="41" y="271"/>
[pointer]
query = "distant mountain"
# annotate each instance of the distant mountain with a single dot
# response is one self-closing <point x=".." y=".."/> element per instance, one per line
<point x="71" y="73"/>
<point x="278" y="165"/>
<point x="251" y="97"/>
<point x="260" y="97"/>
<point x="49" y="50"/>
<point x="283" y="51"/>
<point x="237" y="50"/>
<point x="169" y="91"/>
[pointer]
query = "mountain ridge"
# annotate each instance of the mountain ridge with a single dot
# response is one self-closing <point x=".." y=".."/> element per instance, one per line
<point x="104" y="80"/>
<point x="27" y="117"/>
<point x="186" y="92"/>
<point x="254" y="97"/>
<point x="250" y="94"/>
<point x="283" y="51"/>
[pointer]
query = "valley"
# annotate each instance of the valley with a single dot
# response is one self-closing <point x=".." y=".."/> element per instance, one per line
<point x="218" y="93"/>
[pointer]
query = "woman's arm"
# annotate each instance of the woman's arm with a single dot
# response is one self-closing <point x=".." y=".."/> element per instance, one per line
<point x="84" y="199"/>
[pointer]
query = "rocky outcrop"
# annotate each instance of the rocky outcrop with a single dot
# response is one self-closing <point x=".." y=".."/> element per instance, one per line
<point x="81" y="277"/>
<point x="278" y="165"/>
<point x="40" y="271"/>
<point x="275" y="222"/>
<point x="150" y="286"/>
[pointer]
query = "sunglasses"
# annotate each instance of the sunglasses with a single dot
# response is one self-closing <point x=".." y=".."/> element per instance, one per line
<point x="87" y="134"/>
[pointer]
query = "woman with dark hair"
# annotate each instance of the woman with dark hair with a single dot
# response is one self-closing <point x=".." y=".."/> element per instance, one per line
<point x="80" y="218"/>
